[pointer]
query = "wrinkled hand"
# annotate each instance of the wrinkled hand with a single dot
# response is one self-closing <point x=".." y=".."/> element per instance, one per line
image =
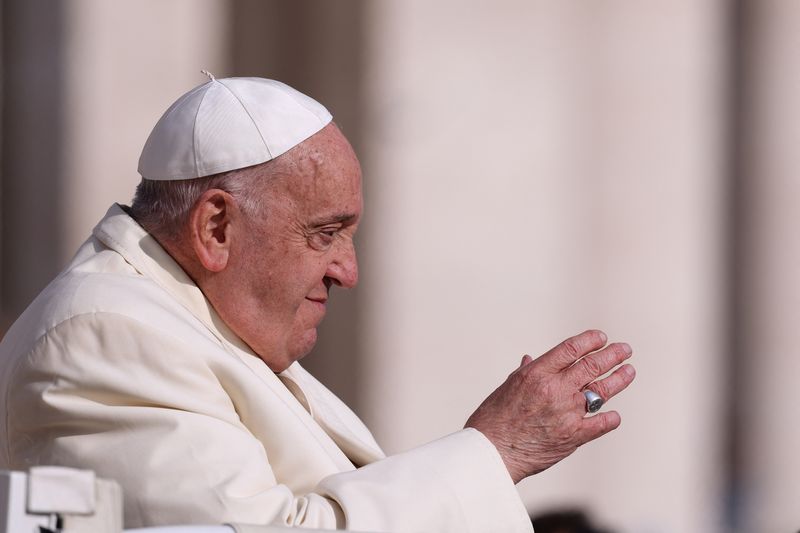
<point x="537" y="417"/>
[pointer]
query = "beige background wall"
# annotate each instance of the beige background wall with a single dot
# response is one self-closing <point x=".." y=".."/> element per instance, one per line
<point x="770" y="263"/>
<point x="535" y="173"/>
<point x="532" y="169"/>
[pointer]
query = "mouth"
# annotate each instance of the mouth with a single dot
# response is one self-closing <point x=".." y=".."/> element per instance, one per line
<point x="320" y="302"/>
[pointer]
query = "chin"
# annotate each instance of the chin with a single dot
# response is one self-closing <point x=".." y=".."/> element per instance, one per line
<point x="296" y="349"/>
<point x="302" y="346"/>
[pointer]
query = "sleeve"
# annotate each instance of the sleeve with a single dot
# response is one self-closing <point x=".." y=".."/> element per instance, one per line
<point x="457" y="483"/>
<point x="106" y="392"/>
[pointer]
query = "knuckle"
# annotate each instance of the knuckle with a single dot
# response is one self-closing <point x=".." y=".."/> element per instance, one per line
<point x="571" y="428"/>
<point x="572" y="348"/>
<point x="520" y="379"/>
<point x="523" y="374"/>
<point x="565" y="432"/>
<point x="601" y="388"/>
<point x="580" y="401"/>
<point x="535" y="374"/>
<point x="592" y="366"/>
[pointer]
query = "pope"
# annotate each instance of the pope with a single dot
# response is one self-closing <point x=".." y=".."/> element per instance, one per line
<point x="165" y="355"/>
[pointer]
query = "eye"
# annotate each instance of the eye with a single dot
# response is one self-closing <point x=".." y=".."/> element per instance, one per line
<point x="323" y="237"/>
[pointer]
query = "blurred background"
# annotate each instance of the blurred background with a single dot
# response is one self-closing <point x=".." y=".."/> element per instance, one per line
<point x="532" y="169"/>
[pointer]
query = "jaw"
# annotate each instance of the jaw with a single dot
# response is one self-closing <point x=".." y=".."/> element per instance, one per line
<point x="297" y="346"/>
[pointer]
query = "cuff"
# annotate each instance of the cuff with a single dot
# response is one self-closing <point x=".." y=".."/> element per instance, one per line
<point x="458" y="483"/>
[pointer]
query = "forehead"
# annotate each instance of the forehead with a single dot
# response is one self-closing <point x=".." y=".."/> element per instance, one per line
<point x="320" y="174"/>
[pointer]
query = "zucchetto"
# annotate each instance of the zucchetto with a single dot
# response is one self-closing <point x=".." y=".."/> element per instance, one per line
<point x="227" y="124"/>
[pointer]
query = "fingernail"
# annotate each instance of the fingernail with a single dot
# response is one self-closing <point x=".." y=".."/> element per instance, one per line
<point x="630" y="371"/>
<point x="626" y="348"/>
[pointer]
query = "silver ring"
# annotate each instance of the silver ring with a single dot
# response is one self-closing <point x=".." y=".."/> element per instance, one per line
<point x="593" y="401"/>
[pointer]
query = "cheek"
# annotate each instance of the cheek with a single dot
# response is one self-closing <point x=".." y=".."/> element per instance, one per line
<point x="287" y="288"/>
<point x="310" y="270"/>
<point x="281" y="279"/>
<point x="264" y="269"/>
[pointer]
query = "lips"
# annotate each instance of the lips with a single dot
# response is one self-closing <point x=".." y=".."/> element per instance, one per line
<point x="319" y="302"/>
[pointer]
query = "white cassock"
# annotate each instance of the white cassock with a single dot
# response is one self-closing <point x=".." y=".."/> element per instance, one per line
<point x="122" y="366"/>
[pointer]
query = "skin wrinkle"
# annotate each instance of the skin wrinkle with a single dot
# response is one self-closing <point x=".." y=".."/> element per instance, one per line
<point x="268" y="276"/>
<point x="533" y="418"/>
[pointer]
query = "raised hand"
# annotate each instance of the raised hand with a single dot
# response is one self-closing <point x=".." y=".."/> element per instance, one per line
<point x="537" y="417"/>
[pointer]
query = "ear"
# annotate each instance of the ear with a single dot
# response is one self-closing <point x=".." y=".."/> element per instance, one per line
<point x="210" y="228"/>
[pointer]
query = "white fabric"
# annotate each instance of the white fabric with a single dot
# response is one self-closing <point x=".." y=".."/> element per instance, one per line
<point x="122" y="366"/>
<point x="228" y="124"/>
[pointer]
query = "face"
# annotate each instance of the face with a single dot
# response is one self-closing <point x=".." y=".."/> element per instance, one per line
<point x="299" y="246"/>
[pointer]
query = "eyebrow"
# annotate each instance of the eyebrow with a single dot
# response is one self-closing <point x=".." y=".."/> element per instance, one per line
<point x="339" y="218"/>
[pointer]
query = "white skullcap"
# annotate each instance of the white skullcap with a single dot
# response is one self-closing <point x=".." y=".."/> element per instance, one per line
<point x="228" y="124"/>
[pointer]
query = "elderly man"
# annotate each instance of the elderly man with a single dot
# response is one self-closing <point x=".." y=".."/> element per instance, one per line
<point x="165" y="355"/>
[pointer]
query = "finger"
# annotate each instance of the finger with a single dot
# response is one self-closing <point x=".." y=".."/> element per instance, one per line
<point x="598" y="425"/>
<point x="526" y="360"/>
<point x="596" y="364"/>
<point x="617" y="382"/>
<point x="572" y="349"/>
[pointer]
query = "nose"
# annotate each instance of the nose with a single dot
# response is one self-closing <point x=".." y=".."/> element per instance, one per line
<point x="343" y="268"/>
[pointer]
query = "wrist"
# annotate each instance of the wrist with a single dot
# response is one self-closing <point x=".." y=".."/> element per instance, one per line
<point x="505" y="451"/>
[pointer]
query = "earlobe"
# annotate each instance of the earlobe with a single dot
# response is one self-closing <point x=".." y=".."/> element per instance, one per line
<point x="210" y="223"/>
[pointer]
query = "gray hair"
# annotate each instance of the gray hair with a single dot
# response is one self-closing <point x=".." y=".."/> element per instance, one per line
<point x="163" y="207"/>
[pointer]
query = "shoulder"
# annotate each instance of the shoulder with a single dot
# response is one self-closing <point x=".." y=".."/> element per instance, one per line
<point x="101" y="291"/>
<point x="102" y="323"/>
<point x="91" y="362"/>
